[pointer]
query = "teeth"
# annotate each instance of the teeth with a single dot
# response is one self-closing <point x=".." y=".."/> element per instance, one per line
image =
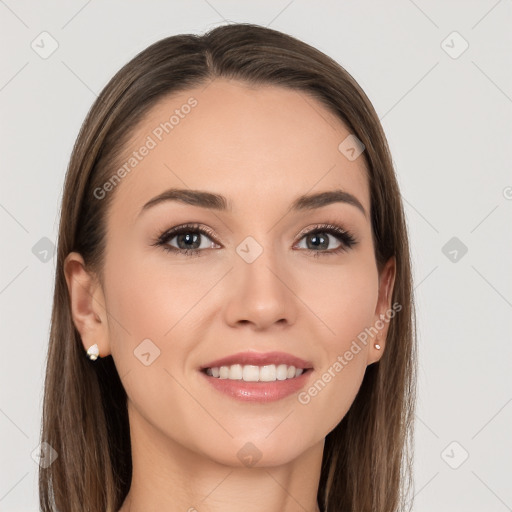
<point x="236" y="372"/>
<point x="251" y="373"/>
<point x="268" y="373"/>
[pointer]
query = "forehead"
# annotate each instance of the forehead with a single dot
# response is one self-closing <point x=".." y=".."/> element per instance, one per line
<point x="256" y="145"/>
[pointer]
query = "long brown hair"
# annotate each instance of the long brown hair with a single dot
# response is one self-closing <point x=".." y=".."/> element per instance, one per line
<point x="367" y="461"/>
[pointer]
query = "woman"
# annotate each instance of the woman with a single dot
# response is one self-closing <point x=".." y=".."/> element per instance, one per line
<point x="233" y="259"/>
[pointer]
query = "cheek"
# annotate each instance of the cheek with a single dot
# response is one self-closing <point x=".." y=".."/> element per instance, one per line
<point x="344" y="303"/>
<point x="337" y="380"/>
<point x="342" y="299"/>
<point x="151" y="299"/>
<point x="147" y="299"/>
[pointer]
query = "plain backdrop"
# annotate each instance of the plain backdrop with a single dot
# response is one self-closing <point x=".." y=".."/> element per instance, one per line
<point x="439" y="76"/>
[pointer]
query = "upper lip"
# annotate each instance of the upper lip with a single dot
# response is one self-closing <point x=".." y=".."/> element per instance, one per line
<point x="259" y="359"/>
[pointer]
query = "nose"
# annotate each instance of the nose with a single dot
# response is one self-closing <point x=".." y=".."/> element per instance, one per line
<point x="261" y="293"/>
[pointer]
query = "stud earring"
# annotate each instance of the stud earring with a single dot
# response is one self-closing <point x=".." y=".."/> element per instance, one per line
<point x="93" y="352"/>
<point x="377" y="346"/>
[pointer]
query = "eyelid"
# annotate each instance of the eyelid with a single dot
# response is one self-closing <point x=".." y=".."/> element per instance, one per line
<point x="198" y="226"/>
<point x="191" y="226"/>
<point x="329" y="224"/>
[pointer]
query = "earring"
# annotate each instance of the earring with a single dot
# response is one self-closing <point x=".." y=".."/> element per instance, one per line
<point x="93" y="352"/>
<point x="377" y="346"/>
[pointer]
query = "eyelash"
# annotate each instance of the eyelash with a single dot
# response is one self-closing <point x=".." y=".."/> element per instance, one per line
<point x="345" y="237"/>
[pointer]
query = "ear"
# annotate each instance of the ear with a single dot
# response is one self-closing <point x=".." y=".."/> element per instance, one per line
<point x="87" y="304"/>
<point x="382" y="316"/>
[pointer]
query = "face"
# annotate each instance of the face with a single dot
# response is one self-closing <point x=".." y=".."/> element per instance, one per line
<point x="256" y="276"/>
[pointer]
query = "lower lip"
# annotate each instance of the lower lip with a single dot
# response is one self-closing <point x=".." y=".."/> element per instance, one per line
<point x="259" y="391"/>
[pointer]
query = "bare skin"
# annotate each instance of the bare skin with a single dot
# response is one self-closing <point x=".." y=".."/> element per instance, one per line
<point x="261" y="147"/>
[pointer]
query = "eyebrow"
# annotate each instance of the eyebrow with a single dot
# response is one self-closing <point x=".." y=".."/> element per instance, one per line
<point x="218" y="202"/>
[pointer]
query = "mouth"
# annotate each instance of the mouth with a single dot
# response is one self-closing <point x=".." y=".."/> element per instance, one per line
<point x="262" y="377"/>
<point x="254" y="373"/>
<point x="253" y="366"/>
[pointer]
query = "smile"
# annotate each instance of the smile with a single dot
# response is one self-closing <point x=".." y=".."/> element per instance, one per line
<point x="252" y="373"/>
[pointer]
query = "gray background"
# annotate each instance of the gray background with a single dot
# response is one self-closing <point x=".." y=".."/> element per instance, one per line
<point x="447" y="116"/>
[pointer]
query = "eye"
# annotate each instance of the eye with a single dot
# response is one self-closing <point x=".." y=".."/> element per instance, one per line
<point x="318" y="238"/>
<point x="188" y="239"/>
